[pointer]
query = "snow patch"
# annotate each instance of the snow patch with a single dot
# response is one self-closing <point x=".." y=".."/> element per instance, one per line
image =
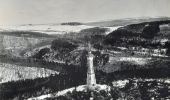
<point x="10" y="72"/>
<point x="111" y="29"/>
<point x="120" y="83"/>
<point x="47" y="29"/>
<point x="64" y="92"/>
<point x="140" y="61"/>
<point x="122" y="48"/>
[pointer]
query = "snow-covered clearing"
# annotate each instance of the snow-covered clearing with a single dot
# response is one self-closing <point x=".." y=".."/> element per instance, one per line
<point x="52" y="29"/>
<point x="111" y="29"/>
<point x="140" y="61"/>
<point x="45" y="28"/>
<point x="122" y="48"/>
<point x="122" y="83"/>
<point x="10" y="72"/>
<point x="136" y="60"/>
<point x="151" y="54"/>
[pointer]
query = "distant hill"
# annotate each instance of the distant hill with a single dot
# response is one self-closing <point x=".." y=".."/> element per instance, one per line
<point x="72" y="23"/>
<point x="144" y="34"/>
<point x="127" y="21"/>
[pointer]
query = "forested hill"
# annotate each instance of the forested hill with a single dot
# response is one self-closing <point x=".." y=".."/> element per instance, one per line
<point x="127" y="21"/>
<point x="136" y="34"/>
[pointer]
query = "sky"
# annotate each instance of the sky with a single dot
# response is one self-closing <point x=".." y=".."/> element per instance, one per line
<point x="55" y="11"/>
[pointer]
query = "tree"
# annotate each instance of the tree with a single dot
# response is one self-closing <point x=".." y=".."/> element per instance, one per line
<point x="41" y="53"/>
<point x="167" y="45"/>
<point x="150" y="31"/>
<point x="61" y="45"/>
<point x="168" y="52"/>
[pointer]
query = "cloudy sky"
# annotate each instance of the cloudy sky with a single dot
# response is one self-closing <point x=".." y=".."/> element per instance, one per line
<point x="55" y="11"/>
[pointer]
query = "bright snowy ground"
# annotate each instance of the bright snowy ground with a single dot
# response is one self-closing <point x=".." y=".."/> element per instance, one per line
<point x="9" y="72"/>
<point x="51" y="29"/>
<point x="122" y="83"/>
<point x="111" y="29"/>
<point x="63" y="92"/>
<point x="118" y="84"/>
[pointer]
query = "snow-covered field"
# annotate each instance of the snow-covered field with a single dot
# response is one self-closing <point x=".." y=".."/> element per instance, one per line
<point x="52" y="29"/>
<point x="9" y="72"/>
<point x="14" y="45"/>
<point x="48" y="29"/>
<point x="122" y="83"/>
<point x="140" y="61"/>
<point x="155" y="52"/>
<point x="111" y="29"/>
<point x="136" y="60"/>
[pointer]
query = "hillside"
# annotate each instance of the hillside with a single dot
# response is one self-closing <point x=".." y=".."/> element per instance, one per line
<point x="126" y="21"/>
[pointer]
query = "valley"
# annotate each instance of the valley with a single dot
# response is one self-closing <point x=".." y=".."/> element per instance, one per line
<point x="129" y="57"/>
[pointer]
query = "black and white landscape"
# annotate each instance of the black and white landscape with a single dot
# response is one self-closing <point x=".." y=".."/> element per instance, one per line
<point x="79" y="50"/>
<point x="130" y="60"/>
